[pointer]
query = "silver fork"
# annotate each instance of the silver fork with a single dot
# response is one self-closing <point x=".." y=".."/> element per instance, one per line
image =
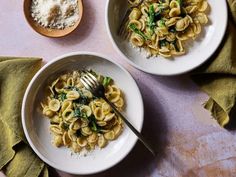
<point x="122" y="31"/>
<point x="92" y="84"/>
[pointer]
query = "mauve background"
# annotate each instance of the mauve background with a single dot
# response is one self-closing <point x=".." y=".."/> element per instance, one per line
<point x="188" y="141"/>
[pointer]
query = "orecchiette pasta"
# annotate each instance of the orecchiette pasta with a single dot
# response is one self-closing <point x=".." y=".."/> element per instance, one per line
<point x="102" y="141"/>
<point x="109" y="135"/>
<point x="161" y="27"/>
<point x="79" y="120"/>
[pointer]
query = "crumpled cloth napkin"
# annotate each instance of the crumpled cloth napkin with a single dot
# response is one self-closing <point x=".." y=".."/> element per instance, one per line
<point x="217" y="77"/>
<point x="16" y="157"/>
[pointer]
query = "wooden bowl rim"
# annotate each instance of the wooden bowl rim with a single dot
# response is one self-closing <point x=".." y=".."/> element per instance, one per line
<point x="49" y="32"/>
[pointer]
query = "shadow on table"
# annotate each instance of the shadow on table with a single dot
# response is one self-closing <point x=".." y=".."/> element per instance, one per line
<point x="179" y="82"/>
<point x="83" y="30"/>
<point x="140" y="162"/>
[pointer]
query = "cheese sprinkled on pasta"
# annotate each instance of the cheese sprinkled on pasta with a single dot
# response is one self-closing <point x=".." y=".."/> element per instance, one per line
<point x="162" y="26"/>
<point x="79" y="120"/>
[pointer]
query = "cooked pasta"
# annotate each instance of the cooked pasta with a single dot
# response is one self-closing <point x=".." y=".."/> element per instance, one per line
<point x="79" y="120"/>
<point x="162" y="26"/>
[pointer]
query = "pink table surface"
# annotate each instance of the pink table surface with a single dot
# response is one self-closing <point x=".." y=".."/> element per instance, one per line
<point x="188" y="141"/>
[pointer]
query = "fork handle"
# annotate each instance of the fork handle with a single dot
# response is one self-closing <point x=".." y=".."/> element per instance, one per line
<point x="135" y="131"/>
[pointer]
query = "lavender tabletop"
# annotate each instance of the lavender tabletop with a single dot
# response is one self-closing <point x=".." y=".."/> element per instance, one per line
<point x="188" y="140"/>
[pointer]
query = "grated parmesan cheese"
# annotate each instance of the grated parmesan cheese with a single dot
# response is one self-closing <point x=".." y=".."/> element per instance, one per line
<point x="57" y="14"/>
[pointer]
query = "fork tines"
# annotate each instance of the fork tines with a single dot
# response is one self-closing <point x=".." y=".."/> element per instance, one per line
<point x="89" y="80"/>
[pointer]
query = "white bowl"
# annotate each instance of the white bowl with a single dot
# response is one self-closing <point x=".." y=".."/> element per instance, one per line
<point x="36" y="127"/>
<point x="199" y="51"/>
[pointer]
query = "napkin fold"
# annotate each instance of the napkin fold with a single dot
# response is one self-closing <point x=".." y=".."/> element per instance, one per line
<point x="17" y="159"/>
<point x="217" y="77"/>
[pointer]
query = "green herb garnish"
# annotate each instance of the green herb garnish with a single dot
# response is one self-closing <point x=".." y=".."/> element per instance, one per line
<point x="134" y="28"/>
<point x="162" y="22"/>
<point x="94" y="127"/>
<point x="62" y="96"/>
<point x="106" y="81"/>
<point x="151" y="18"/>
<point x="180" y="3"/>
<point x="163" y="42"/>
<point x="79" y="114"/>
<point x="93" y="124"/>
<point x="82" y="99"/>
<point x="159" y="12"/>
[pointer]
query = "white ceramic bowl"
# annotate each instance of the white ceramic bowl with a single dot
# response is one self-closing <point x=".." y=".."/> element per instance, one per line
<point x="36" y="127"/>
<point x="199" y="51"/>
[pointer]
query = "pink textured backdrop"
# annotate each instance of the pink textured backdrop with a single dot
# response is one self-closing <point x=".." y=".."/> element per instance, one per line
<point x="189" y="142"/>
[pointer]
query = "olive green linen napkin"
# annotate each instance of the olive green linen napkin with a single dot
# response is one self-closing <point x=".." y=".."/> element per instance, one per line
<point x="16" y="157"/>
<point x="217" y="77"/>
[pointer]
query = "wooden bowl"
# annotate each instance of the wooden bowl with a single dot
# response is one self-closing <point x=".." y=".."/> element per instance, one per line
<point x="49" y="32"/>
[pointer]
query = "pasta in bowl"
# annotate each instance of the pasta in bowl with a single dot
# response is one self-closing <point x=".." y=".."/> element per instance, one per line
<point x="171" y="50"/>
<point x="78" y="148"/>
<point x="161" y="27"/>
<point x="78" y="119"/>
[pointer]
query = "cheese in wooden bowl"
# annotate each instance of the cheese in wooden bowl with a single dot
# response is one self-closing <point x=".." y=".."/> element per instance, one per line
<point x="53" y="18"/>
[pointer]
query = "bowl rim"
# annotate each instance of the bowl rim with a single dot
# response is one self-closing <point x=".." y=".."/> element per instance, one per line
<point x="73" y="28"/>
<point x="23" y="110"/>
<point x="162" y="74"/>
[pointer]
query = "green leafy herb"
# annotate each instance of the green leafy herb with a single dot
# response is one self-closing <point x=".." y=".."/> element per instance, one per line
<point x="162" y="22"/>
<point x="92" y="118"/>
<point x="94" y="127"/>
<point x="151" y="18"/>
<point x="159" y="12"/>
<point x="93" y="124"/>
<point x="79" y="114"/>
<point x="163" y="43"/>
<point x="82" y="99"/>
<point x="62" y="96"/>
<point x="134" y="28"/>
<point x="106" y="81"/>
<point x="180" y="3"/>
<point x="65" y="126"/>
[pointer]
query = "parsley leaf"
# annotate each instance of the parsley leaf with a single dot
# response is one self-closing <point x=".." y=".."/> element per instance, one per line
<point x="79" y="114"/>
<point x="93" y="124"/>
<point x="62" y="96"/>
<point x="151" y="18"/>
<point x="106" y="81"/>
<point x="134" y="28"/>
